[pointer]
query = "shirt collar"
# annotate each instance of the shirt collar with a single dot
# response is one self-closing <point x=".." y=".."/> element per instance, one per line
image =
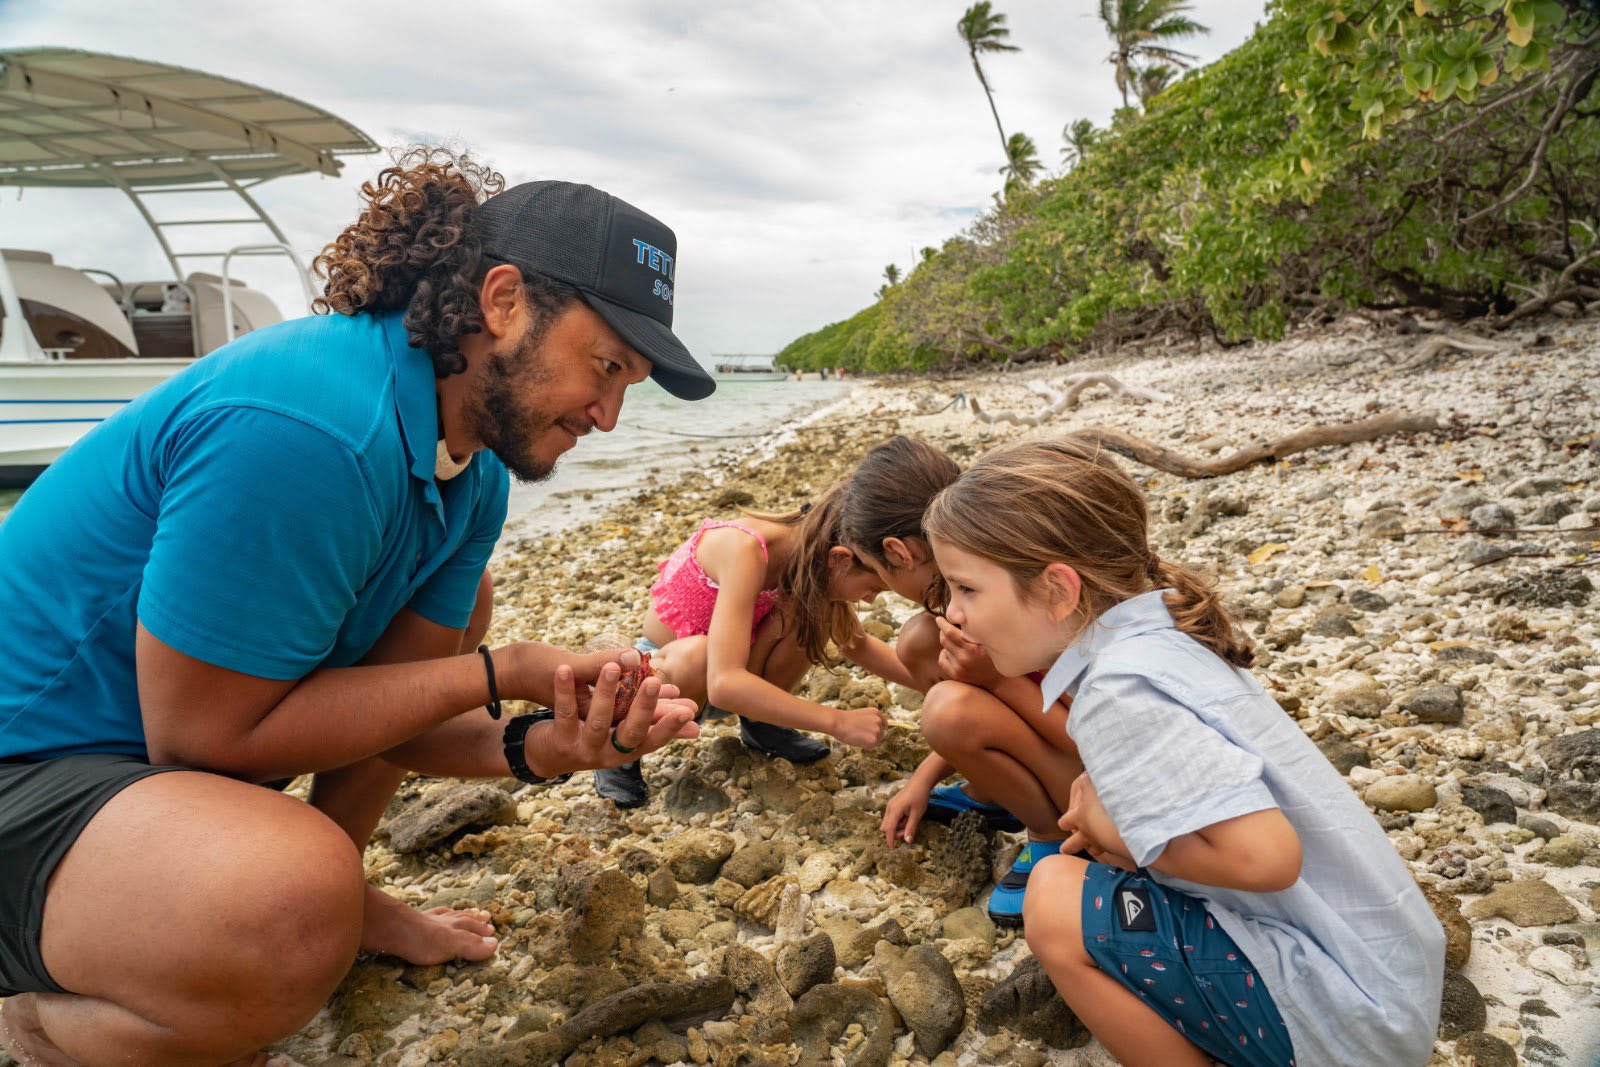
<point x="414" y="397"/>
<point x="1136" y="615"/>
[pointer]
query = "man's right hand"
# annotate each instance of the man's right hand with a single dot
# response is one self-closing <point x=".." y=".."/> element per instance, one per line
<point x="579" y="741"/>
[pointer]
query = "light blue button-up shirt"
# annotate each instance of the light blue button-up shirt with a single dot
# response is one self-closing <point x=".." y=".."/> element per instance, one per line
<point x="1175" y="739"/>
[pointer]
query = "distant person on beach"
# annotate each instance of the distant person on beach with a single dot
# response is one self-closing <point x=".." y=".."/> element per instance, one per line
<point x="1243" y="905"/>
<point x="274" y="564"/>
<point x="745" y="607"/>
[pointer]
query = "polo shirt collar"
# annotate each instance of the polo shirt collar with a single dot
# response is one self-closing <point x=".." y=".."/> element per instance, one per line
<point x="414" y="397"/>
<point x="1136" y="615"/>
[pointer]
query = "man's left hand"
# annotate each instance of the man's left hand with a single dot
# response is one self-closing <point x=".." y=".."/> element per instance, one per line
<point x="586" y="740"/>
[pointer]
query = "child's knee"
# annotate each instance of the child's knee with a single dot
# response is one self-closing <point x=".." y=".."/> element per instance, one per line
<point x="683" y="662"/>
<point x="1051" y="912"/>
<point x="948" y="713"/>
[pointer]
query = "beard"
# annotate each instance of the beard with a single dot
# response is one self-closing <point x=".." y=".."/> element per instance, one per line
<point x="504" y="418"/>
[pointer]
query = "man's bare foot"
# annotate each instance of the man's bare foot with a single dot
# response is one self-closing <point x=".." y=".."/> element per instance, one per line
<point x="422" y="937"/>
<point x="24" y="1040"/>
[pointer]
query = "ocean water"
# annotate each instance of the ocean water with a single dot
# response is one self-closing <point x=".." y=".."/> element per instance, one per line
<point x="658" y="435"/>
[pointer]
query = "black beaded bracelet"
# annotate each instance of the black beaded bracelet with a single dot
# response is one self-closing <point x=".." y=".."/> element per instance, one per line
<point x="515" y="737"/>
<point x="494" y="690"/>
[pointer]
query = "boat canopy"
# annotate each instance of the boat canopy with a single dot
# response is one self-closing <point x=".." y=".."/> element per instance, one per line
<point x="76" y="119"/>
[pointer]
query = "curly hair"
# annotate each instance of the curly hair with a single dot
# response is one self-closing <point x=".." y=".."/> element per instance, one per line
<point x="416" y="247"/>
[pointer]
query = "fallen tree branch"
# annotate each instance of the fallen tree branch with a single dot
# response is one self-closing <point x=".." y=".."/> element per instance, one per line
<point x="1058" y="400"/>
<point x="1438" y="345"/>
<point x="1166" y="460"/>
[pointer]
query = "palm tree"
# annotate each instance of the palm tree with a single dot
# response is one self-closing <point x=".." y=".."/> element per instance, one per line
<point x="1076" y="138"/>
<point x="1153" y="79"/>
<point x="983" y="31"/>
<point x="892" y="274"/>
<point x="1022" y="162"/>
<point x="1140" y="31"/>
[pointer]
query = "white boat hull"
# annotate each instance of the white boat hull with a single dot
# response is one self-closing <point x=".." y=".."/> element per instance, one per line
<point x="46" y="407"/>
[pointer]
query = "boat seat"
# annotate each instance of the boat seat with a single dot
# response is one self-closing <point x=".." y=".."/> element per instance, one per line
<point x="252" y="310"/>
<point x="70" y="314"/>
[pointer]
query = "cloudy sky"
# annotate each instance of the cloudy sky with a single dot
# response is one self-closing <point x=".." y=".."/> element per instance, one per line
<point x="796" y="148"/>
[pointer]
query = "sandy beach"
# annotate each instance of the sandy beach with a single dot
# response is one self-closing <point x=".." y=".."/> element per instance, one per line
<point x="1453" y="675"/>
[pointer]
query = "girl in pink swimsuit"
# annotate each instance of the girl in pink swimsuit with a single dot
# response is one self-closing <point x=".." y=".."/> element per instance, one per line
<point x="744" y="608"/>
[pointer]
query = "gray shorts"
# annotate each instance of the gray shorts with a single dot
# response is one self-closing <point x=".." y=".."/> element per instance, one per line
<point x="44" y="806"/>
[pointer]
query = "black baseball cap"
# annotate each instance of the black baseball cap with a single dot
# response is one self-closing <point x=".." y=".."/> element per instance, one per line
<point x="620" y="259"/>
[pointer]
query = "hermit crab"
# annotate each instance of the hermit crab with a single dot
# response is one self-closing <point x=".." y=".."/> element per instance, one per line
<point x="632" y="677"/>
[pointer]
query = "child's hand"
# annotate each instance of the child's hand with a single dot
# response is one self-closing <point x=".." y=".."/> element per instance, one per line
<point x="964" y="660"/>
<point x="1090" y="827"/>
<point x="861" y="728"/>
<point x="903" y="814"/>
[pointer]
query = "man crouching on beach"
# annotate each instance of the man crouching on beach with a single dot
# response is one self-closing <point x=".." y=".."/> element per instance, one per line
<point x="273" y="565"/>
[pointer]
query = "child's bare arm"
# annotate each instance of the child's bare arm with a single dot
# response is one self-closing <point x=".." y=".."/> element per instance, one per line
<point x="879" y="658"/>
<point x="1256" y="853"/>
<point x="738" y="568"/>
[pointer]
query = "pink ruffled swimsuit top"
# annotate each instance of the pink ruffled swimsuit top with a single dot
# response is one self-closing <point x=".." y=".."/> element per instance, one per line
<point x="684" y="594"/>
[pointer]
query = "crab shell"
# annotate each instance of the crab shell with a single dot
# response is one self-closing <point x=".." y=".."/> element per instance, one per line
<point x="628" y="687"/>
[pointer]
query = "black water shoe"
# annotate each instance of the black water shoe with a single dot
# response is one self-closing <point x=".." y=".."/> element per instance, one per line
<point x="791" y="744"/>
<point x="623" y="786"/>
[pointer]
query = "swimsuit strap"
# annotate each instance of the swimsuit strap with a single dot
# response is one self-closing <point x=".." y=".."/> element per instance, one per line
<point x="709" y="525"/>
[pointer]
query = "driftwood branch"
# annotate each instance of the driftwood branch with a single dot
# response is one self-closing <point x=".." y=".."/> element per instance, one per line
<point x="1071" y="389"/>
<point x="1166" y="460"/>
<point x="1436" y="346"/>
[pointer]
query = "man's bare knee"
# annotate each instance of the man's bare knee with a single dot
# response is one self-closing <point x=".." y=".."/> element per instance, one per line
<point x="947" y="716"/>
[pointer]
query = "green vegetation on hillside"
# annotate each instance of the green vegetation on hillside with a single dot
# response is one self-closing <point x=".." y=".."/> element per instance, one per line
<point x="1437" y="153"/>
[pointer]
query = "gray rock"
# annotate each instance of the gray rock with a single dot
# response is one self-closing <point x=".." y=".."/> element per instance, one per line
<point x="1577" y="754"/>
<point x="1492" y="517"/>
<point x="444" y="811"/>
<point x="1494" y="805"/>
<point x="1436" y="703"/>
<point x="689" y="796"/>
<point x="754" y="863"/>
<point x="1026" y="1003"/>
<point x="1534" y="485"/>
<point x="1575" y="800"/>
<point x="923" y="989"/>
<point x="1537" y="825"/>
<point x="806" y="963"/>
<point x="1532" y="902"/>
<point x="1345" y="755"/>
<point x="1356" y="694"/>
<point x="1551" y="513"/>
<point x="1404" y="792"/>
<point x="1478" y="552"/>
<point x="1332" y="624"/>
<point x="1368" y="600"/>
<point x="1486" y="1050"/>
<point x="1461" y="1007"/>
<point x="628" y="1010"/>
<point x="1464" y="654"/>
<point x="1549" y="588"/>
<point x="821" y="1017"/>
<point x="1458" y="501"/>
<point x="697" y="856"/>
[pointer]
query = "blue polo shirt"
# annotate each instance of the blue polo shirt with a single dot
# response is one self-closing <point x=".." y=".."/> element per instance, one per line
<point x="269" y="510"/>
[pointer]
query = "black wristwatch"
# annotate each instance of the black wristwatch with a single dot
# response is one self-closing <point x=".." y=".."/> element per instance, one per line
<point x="516" y="734"/>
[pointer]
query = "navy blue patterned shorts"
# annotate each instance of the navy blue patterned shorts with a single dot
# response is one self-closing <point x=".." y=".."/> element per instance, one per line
<point x="1161" y="944"/>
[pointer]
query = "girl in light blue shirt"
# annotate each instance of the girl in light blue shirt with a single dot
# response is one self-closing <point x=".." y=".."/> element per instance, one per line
<point x="1245" y="906"/>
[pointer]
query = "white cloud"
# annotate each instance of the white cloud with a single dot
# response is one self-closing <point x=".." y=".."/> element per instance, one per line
<point x="796" y="148"/>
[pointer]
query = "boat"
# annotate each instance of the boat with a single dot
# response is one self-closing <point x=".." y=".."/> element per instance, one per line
<point x="77" y="342"/>
<point x="747" y="369"/>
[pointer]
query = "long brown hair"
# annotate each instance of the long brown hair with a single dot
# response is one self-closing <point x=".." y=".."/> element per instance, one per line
<point x="884" y="496"/>
<point x="1028" y="505"/>
<point x="416" y="247"/>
